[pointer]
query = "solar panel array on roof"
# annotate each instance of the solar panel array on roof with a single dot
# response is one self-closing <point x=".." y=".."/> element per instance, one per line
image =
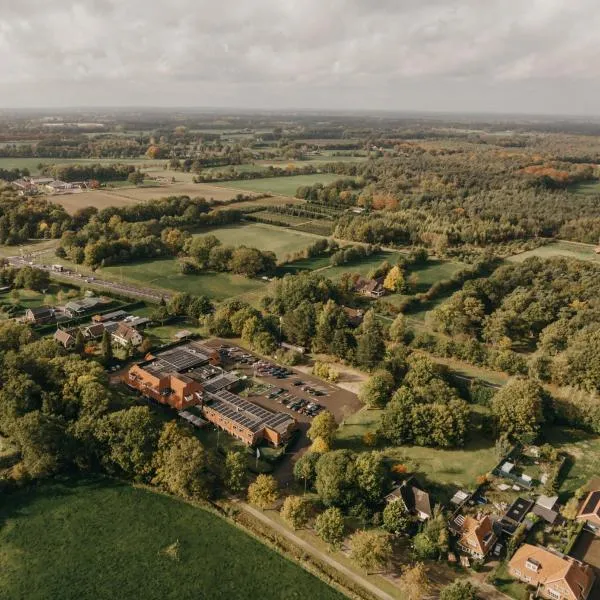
<point x="591" y="504"/>
<point x="247" y="414"/>
<point x="221" y="381"/>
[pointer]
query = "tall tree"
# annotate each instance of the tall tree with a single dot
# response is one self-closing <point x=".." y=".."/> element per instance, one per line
<point x="330" y="527"/>
<point x="263" y="492"/>
<point x="371" y="550"/>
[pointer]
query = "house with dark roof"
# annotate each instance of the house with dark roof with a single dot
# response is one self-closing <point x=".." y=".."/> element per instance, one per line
<point x="40" y="315"/>
<point x="589" y="512"/>
<point x="93" y="331"/>
<point x="355" y="316"/>
<point x="555" y="576"/>
<point x="416" y="501"/>
<point x="546" y="507"/>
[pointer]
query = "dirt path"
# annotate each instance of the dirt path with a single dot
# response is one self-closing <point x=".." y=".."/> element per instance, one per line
<point x="320" y="555"/>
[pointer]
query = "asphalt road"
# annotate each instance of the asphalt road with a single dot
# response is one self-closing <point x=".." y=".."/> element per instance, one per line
<point x="97" y="282"/>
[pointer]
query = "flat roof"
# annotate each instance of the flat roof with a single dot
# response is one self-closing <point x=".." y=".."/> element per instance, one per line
<point x="246" y="413"/>
<point x="519" y="509"/>
<point x="178" y="359"/>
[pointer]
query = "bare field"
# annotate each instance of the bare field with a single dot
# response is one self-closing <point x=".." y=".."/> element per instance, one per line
<point x="132" y="195"/>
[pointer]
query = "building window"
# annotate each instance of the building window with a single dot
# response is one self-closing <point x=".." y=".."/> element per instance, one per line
<point x="553" y="593"/>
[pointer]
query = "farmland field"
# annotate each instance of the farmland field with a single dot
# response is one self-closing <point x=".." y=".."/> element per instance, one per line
<point x="566" y="249"/>
<point x="100" y="540"/>
<point x="285" y="186"/>
<point x="164" y="274"/>
<point x="264" y="237"/>
<point x="133" y="195"/>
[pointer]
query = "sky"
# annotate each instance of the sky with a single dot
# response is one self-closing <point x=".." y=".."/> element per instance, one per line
<point x="521" y="56"/>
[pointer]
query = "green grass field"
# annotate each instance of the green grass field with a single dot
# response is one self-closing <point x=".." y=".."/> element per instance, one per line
<point x="362" y="267"/>
<point x="589" y="188"/>
<point x="442" y="470"/>
<point x="165" y="274"/>
<point x="566" y="249"/>
<point x="280" y="240"/>
<point x="285" y="186"/>
<point x="101" y="540"/>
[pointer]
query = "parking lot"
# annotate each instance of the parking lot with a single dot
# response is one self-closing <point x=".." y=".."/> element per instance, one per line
<point x="282" y="388"/>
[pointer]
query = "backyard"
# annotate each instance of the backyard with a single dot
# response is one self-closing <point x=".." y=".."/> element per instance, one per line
<point x="100" y="539"/>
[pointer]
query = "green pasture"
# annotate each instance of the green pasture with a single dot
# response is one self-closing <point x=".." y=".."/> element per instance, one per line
<point x="285" y="186"/>
<point x="101" y="540"/>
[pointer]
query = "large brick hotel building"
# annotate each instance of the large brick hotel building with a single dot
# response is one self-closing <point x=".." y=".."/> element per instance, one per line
<point x="189" y="375"/>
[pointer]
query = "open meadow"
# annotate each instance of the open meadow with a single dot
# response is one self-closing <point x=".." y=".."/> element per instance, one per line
<point x="285" y="186"/>
<point x="100" y="540"/>
<point x="164" y="274"/>
<point x="562" y="248"/>
<point x="125" y="196"/>
<point x="145" y="164"/>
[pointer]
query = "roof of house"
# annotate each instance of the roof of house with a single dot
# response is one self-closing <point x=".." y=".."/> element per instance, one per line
<point x="126" y="332"/>
<point x="416" y="499"/>
<point x="478" y="531"/>
<point x="116" y="314"/>
<point x="82" y="304"/>
<point x="42" y="311"/>
<point x="590" y="506"/>
<point x="353" y="313"/>
<point x="63" y="337"/>
<point x="547" y="514"/>
<point x="94" y="330"/>
<point x="368" y="285"/>
<point x="548" y="502"/>
<point x="552" y="568"/>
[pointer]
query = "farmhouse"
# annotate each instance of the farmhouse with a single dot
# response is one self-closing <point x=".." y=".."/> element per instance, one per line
<point x="556" y="577"/>
<point x="590" y="511"/>
<point x="40" y="315"/>
<point x="476" y="535"/>
<point x="370" y="287"/>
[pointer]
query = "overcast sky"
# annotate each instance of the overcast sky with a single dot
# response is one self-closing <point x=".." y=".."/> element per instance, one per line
<point x="535" y="56"/>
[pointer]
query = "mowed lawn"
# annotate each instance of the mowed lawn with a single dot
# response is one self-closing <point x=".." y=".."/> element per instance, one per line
<point x="286" y="186"/>
<point x="99" y="540"/>
<point x="265" y="237"/>
<point x="164" y="273"/>
<point x="566" y="249"/>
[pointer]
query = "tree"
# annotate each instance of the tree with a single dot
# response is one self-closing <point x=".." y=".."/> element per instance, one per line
<point x="181" y="463"/>
<point x="395" y="518"/>
<point x="79" y="342"/>
<point x="394" y="280"/>
<point x="323" y="426"/>
<point x="335" y="482"/>
<point x="518" y="409"/>
<point x="136" y="177"/>
<point x="371" y="550"/>
<point x="199" y="248"/>
<point x="415" y="582"/>
<point x="305" y="468"/>
<point x="106" y="347"/>
<point x="263" y="492"/>
<point x="129" y="439"/>
<point x="330" y="527"/>
<point x="459" y="590"/>
<point x="235" y="471"/>
<point x="370" y="348"/>
<point x="375" y="392"/>
<point x="296" y="511"/>
<point x="371" y="476"/>
<point x="398" y="328"/>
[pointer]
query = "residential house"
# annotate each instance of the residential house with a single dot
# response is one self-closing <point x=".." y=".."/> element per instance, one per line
<point x="79" y="308"/>
<point x="476" y="535"/>
<point x="370" y="287"/>
<point x="355" y="316"/>
<point x="65" y="338"/>
<point x="546" y="507"/>
<point x="590" y="511"/>
<point x="555" y="576"/>
<point x="40" y="315"/>
<point x="515" y="515"/>
<point x="117" y="315"/>
<point x="93" y="331"/>
<point x="416" y="501"/>
<point x="125" y="335"/>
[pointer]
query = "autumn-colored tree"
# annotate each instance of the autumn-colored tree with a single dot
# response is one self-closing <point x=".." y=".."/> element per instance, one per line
<point x="394" y="281"/>
<point x="296" y="511"/>
<point x="323" y="426"/>
<point x="371" y="550"/>
<point x="415" y="582"/>
<point x="330" y="527"/>
<point x="263" y="492"/>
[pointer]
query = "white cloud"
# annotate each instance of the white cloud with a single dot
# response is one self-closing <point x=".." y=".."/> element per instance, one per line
<point x="291" y="51"/>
